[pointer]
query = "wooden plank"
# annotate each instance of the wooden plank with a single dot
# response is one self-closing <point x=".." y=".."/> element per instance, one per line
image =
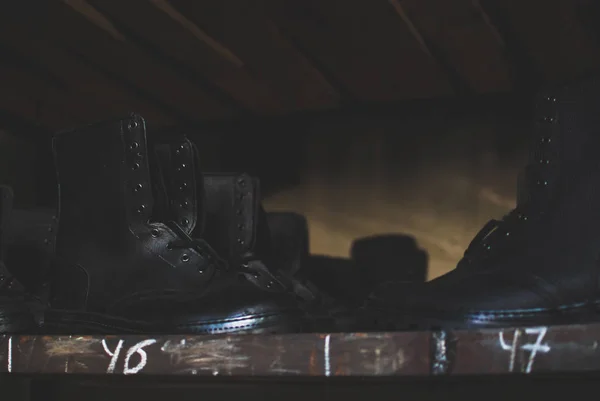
<point x="461" y="32"/>
<point x="557" y="41"/>
<point x="86" y="84"/>
<point x="47" y="94"/>
<point x="178" y="37"/>
<point x="242" y="355"/>
<point x="493" y="351"/>
<point x="149" y="74"/>
<point x="244" y="28"/>
<point x="366" y="45"/>
<point x="26" y="96"/>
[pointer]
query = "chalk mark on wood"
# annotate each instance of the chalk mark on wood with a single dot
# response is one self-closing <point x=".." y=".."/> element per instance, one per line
<point x="533" y="348"/>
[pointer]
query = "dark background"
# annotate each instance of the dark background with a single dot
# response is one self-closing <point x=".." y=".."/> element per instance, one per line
<point x="368" y="116"/>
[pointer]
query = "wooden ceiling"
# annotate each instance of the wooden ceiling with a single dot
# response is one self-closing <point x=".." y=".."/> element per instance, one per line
<point x="64" y="63"/>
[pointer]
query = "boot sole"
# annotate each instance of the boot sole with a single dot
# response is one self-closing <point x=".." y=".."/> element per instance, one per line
<point x="572" y="315"/>
<point x="70" y="322"/>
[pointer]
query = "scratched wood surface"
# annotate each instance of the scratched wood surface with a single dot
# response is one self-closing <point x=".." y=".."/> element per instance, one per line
<point x="516" y="350"/>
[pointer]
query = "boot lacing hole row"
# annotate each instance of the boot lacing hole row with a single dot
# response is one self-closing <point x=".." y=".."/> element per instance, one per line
<point x="495" y="229"/>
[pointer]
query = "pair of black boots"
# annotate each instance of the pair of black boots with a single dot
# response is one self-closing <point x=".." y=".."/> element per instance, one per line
<point x="145" y="243"/>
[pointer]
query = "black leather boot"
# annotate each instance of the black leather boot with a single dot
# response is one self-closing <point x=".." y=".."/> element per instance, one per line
<point x="540" y="264"/>
<point x="238" y="228"/>
<point x="19" y="311"/>
<point x="30" y="240"/>
<point x="123" y="266"/>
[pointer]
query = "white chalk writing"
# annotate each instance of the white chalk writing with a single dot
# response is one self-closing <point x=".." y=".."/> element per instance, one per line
<point x="534" y="348"/>
<point x="9" y="356"/>
<point x="136" y="349"/>
<point x="326" y="355"/>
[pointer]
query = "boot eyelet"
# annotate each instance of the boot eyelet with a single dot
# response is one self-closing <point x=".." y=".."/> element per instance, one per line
<point x="155" y="232"/>
<point x="241" y="182"/>
<point x="137" y="187"/>
<point x="133" y="124"/>
<point x="141" y="209"/>
<point x="270" y="284"/>
<point x="184" y="204"/>
<point x="240" y="241"/>
<point x="134" y="146"/>
<point x="135" y="166"/>
<point x="185" y="258"/>
<point x="185" y="222"/>
<point x="183" y="186"/>
<point x="241" y="227"/>
<point x="169" y="246"/>
<point x="202" y="270"/>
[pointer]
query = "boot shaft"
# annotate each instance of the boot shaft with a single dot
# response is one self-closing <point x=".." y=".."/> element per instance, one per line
<point x="227" y="205"/>
<point x="104" y="182"/>
<point x="566" y="130"/>
<point x="234" y="219"/>
<point x="111" y="247"/>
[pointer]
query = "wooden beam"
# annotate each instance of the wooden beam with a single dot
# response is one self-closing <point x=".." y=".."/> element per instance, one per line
<point x="202" y="36"/>
<point x="411" y="27"/>
<point x="448" y="353"/>
<point x="44" y="95"/>
<point x="525" y="75"/>
<point x="245" y="28"/>
<point x="459" y="84"/>
<point x="325" y="77"/>
<point x="119" y="14"/>
<point x="165" y="37"/>
<point x="89" y="12"/>
<point x="86" y="84"/>
<point x="489" y="23"/>
<point x="152" y="76"/>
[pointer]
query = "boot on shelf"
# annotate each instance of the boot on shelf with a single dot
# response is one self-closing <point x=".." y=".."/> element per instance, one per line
<point x="30" y="243"/>
<point x="539" y="265"/>
<point x="125" y="257"/>
<point x="19" y="311"/>
<point x="238" y="229"/>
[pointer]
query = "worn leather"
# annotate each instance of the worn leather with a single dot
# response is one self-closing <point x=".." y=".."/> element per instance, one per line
<point x="18" y="308"/>
<point x="30" y="240"/>
<point x="234" y="219"/>
<point x="122" y="265"/>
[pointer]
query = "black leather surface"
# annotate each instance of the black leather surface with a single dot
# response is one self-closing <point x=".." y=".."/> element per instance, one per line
<point x="17" y="307"/>
<point x="119" y="263"/>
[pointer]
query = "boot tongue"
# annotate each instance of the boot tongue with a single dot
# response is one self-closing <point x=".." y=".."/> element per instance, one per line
<point x="236" y="225"/>
<point x="179" y="191"/>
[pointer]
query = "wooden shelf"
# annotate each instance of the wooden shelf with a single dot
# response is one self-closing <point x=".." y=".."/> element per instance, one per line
<point x="516" y="350"/>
